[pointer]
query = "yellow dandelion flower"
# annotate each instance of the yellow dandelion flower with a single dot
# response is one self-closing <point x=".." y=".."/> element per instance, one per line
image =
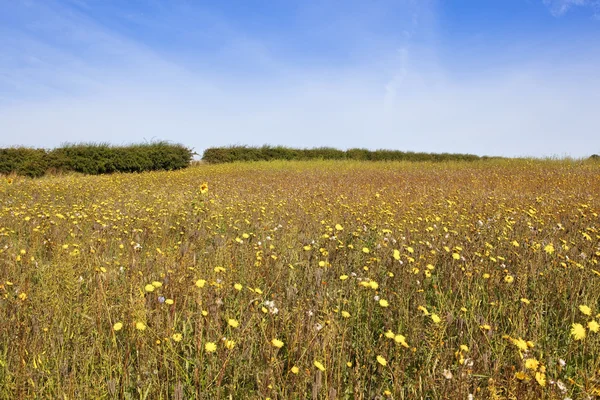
<point x="117" y="326"/>
<point x="435" y="318"/>
<point x="237" y="287"/>
<point x="338" y="227"/>
<point x="345" y="314"/>
<point x="319" y="365"/>
<point x="485" y="327"/>
<point x="343" y="277"/>
<point x="200" y="283"/>
<point x="396" y="254"/>
<point x="520" y="375"/>
<point x="585" y="309"/>
<point x="549" y="248"/>
<point x="400" y="339"/>
<point x="578" y="331"/>
<point x="373" y="285"/>
<point x="423" y="309"/>
<point x="381" y="360"/>
<point x="366" y="250"/>
<point x="593" y="326"/>
<point x="389" y="334"/>
<point x="149" y="288"/>
<point x="456" y="256"/>
<point x="177" y="337"/>
<point x="140" y="326"/>
<point x="486" y="276"/>
<point x="233" y="323"/>
<point x="169" y="301"/>
<point x="520" y="343"/>
<point x="210" y="347"/>
<point x="204" y="188"/>
<point x="525" y="301"/>
<point x="532" y="364"/>
<point x="509" y="279"/>
<point x="23" y="296"/>
<point x="540" y="377"/>
<point x="464" y="348"/>
<point x="295" y="370"/>
<point x="383" y="303"/>
<point x="277" y="343"/>
<point x="157" y="284"/>
<point x="229" y="344"/>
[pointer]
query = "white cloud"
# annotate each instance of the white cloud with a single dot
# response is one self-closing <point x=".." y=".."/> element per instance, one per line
<point x="560" y="7"/>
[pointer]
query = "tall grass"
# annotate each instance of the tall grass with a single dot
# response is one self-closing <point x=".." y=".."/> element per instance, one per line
<point x="289" y="280"/>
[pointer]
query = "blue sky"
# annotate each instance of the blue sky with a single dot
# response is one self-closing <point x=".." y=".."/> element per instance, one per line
<point x="494" y="77"/>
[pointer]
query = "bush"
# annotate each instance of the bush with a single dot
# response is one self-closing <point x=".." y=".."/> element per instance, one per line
<point x="94" y="159"/>
<point x="216" y="155"/>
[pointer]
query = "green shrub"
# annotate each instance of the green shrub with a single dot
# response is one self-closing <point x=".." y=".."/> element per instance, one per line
<point x="94" y="159"/>
<point x="217" y="155"/>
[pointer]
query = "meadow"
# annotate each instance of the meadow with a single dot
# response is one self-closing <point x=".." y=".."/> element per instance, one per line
<point x="303" y="280"/>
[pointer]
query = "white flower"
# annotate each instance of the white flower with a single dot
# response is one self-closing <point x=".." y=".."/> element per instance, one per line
<point x="376" y="298"/>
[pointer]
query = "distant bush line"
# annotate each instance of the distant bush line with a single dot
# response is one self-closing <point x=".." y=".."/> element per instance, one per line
<point x="94" y="159"/>
<point x="216" y="155"/>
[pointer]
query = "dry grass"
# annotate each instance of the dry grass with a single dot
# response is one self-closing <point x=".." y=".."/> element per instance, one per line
<point x="481" y="255"/>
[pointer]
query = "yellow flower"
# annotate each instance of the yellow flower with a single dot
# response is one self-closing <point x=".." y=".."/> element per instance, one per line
<point x="486" y="276"/>
<point x="435" y="318"/>
<point x="540" y="377"/>
<point x="200" y="283"/>
<point x="464" y="348"/>
<point x="23" y="296"/>
<point x="532" y="363"/>
<point x="204" y="188"/>
<point x="381" y="361"/>
<point x="149" y="288"/>
<point x="338" y="227"/>
<point x="156" y="284"/>
<point x="485" y="327"/>
<point x="389" y="334"/>
<point x="177" y="337"/>
<point x="549" y="248"/>
<point x="210" y="347"/>
<point x="319" y="365"/>
<point x="277" y="343"/>
<point x="509" y="279"/>
<point x="396" y="254"/>
<point x="295" y="370"/>
<point x="383" y="303"/>
<point x="140" y="326"/>
<point x="525" y="301"/>
<point x="233" y="323"/>
<point x="423" y="309"/>
<point x="366" y="250"/>
<point x="343" y="277"/>
<point x="401" y="340"/>
<point x="593" y="326"/>
<point x="118" y="326"/>
<point x="237" y="286"/>
<point x="585" y="309"/>
<point x="520" y="343"/>
<point x="456" y="256"/>
<point x="578" y="331"/>
<point x="169" y="301"/>
<point x="374" y="285"/>
<point x="345" y="314"/>
<point x="229" y="344"/>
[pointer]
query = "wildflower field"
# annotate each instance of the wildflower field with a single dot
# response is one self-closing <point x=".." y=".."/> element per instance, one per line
<point x="303" y="280"/>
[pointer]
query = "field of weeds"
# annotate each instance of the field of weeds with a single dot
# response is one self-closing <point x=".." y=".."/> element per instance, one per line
<point x="295" y="280"/>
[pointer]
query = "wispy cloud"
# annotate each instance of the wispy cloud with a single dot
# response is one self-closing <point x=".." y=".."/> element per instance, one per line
<point x="560" y="7"/>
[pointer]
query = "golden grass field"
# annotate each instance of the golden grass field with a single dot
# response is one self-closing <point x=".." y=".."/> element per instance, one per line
<point x="303" y="280"/>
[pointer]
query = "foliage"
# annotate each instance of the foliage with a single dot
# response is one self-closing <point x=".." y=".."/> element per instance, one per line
<point x="94" y="159"/>
<point x="215" y="155"/>
<point x="295" y="280"/>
